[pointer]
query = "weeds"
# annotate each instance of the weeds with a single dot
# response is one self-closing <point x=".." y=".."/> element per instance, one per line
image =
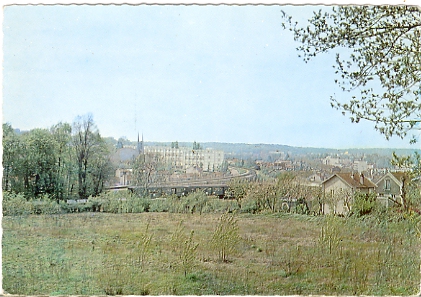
<point x="226" y="237"/>
<point x="147" y="254"/>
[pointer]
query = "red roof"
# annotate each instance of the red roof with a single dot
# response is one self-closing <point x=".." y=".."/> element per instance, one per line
<point x="355" y="180"/>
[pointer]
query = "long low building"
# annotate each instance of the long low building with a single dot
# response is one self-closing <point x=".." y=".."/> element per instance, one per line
<point x="184" y="158"/>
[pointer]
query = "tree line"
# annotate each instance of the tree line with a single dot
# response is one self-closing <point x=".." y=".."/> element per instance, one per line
<point x="66" y="161"/>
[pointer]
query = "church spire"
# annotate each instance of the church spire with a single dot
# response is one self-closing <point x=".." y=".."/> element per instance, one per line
<point x="139" y="144"/>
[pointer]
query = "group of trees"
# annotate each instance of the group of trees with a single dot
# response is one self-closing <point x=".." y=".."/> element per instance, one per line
<point x="65" y="161"/>
<point x="286" y="193"/>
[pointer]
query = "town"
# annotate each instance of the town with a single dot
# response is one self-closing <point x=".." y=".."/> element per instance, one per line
<point x="194" y="213"/>
<point x="250" y="149"/>
<point x="193" y="167"/>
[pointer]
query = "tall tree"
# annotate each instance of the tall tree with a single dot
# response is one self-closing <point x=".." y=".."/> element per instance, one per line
<point x="12" y="150"/>
<point x="38" y="168"/>
<point x="61" y="133"/>
<point x="147" y="169"/>
<point x="382" y="70"/>
<point x="101" y="169"/>
<point x="86" y="139"/>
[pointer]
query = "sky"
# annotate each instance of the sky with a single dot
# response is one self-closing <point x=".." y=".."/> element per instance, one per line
<point x="174" y="73"/>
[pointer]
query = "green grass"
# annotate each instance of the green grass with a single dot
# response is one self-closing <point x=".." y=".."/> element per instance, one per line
<point x="99" y="253"/>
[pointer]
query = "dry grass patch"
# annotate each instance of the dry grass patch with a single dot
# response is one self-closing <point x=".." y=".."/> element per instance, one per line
<point x="98" y="253"/>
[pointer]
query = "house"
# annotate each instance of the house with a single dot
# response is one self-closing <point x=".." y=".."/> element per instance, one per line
<point x="124" y="176"/>
<point x="339" y="190"/>
<point x="317" y="178"/>
<point x="283" y="165"/>
<point x="389" y="187"/>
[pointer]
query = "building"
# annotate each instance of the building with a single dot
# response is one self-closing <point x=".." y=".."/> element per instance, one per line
<point x="124" y="176"/>
<point x="127" y="154"/>
<point x="389" y="187"/>
<point x="283" y="165"/>
<point x="340" y="188"/>
<point x="183" y="158"/>
<point x="330" y="161"/>
<point x="123" y="159"/>
<point x="362" y="166"/>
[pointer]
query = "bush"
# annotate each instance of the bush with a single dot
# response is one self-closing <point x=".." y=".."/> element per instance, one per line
<point x="197" y="201"/>
<point x="250" y="205"/>
<point x="119" y="202"/>
<point x="226" y="238"/>
<point x="364" y="204"/>
<point x="135" y="204"/>
<point x="158" y="205"/>
<point x="221" y="206"/>
<point x="45" y="205"/>
<point x="15" y="204"/>
<point x="175" y="204"/>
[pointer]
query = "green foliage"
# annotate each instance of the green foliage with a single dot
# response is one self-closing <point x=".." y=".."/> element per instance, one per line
<point x="363" y="203"/>
<point x="174" y="145"/>
<point x="158" y="205"/>
<point x="282" y="254"/>
<point x="176" y="204"/>
<point x="45" y="205"/>
<point x="91" y="155"/>
<point x="38" y="163"/>
<point x="330" y="238"/>
<point x="120" y="202"/>
<point x="15" y="204"/>
<point x="18" y="205"/>
<point x="55" y="162"/>
<point x="410" y="189"/>
<point x="216" y="205"/>
<point x="188" y="255"/>
<point x="12" y="159"/>
<point x="197" y="201"/>
<point x="238" y="189"/>
<point x="383" y="64"/>
<point x="184" y="248"/>
<point x="196" y="146"/>
<point x="250" y="205"/>
<point x="144" y="246"/>
<point x="225" y="238"/>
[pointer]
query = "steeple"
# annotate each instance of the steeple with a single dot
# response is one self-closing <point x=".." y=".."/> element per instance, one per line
<point x="140" y="144"/>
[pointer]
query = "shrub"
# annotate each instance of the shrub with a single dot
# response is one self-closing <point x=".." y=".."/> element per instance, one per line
<point x="120" y="202"/>
<point x="175" y="204"/>
<point x="197" y="201"/>
<point x="250" y="205"/>
<point x="15" y="204"/>
<point x="221" y="206"/>
<point x="364" y="204"/>
<point x="45" y="205"/>
<point x="225" y="238"/>
<point x="158" y="205"/>
<point x="188" y="254"/>
<point x="184" y="248"/>
<point x="135" y="204"/>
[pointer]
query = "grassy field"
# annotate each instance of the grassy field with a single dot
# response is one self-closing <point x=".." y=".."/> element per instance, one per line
<point x="157" y="254"/>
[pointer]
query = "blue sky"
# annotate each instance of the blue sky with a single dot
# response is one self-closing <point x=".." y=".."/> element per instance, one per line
<point x="186" y="73"/>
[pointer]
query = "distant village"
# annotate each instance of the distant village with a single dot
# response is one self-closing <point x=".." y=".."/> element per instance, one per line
<point x="332" y="172"/>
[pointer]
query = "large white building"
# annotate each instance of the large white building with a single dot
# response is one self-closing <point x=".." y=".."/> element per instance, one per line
<point x="184" y="158"/>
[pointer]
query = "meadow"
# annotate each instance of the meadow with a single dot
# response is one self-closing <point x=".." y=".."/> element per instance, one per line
<point x="164" y="253"/>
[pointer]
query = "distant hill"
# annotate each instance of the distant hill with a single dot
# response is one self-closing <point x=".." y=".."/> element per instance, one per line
<point x="244" y="149"/>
